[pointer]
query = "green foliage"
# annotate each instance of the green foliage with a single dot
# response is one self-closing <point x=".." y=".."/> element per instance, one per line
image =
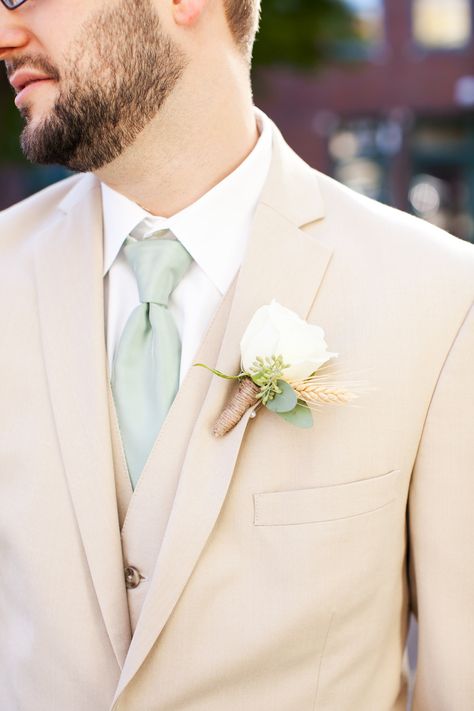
<point x="266" y="373"/>
<point x="285" y="400"/>
<point x="10" y="123"/>
<point x="301" y="33"/>
<point x="301" y="416"/>
<point x="218" y="372"/>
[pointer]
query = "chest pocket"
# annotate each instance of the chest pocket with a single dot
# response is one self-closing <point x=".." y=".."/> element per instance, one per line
<point x="326" y="503"/>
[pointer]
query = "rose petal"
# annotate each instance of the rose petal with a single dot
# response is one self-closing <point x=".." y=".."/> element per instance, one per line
<point x="303" y="369"/>
<point x="260" y="338"/>
<point x="276" y="330"/>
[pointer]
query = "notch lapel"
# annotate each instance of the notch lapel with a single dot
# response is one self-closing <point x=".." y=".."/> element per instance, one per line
<point x="68" y="263"/>
<point x="283" y="262"/>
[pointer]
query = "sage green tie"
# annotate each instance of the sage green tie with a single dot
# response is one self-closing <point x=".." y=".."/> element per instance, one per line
<point x="145" y="373"/>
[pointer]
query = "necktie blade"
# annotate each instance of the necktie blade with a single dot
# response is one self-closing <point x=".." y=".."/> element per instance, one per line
<point x="145" y="374"/>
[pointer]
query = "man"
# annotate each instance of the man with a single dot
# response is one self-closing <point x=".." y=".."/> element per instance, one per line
<point x="147" y="565"/>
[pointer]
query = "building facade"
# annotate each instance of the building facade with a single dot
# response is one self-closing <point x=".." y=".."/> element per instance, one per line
<point x="393" y="115"/>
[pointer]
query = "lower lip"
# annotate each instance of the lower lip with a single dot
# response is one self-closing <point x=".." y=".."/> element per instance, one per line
<point x="27" y="90"/>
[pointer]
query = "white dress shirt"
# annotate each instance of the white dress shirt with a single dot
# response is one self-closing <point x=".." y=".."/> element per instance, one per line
<point x="214" y="230"/>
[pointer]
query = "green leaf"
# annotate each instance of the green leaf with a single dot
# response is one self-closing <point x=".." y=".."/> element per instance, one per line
<point x="284" y="401"/>
<point x="221" y="375"/>
<point x="300" y="416"/>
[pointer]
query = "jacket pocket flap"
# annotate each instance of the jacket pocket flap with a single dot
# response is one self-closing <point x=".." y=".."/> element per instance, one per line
<point x="325" y="503"/>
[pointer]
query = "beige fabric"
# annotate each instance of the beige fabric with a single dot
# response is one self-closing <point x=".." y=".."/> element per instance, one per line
<point x="123" y="486"/>
<point x="275" y="559"/>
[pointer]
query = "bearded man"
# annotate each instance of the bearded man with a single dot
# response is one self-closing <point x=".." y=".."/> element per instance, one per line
<point x="147" y="565"/>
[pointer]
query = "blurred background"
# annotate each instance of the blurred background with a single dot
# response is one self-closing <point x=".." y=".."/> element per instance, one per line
<point x="389" y="108"/>
<point x="378" y="94"/>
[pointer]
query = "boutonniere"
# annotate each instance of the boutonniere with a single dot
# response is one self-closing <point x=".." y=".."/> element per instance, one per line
<point x="282" y="357"/>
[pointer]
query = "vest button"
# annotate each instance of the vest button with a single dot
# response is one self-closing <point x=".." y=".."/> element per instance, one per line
<point x="132" y="577"/>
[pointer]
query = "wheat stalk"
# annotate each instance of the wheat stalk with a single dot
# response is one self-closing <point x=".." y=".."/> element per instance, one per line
<point x="318" y="394"/>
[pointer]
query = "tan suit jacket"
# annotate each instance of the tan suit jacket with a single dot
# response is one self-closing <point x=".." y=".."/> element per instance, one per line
<point x="279" y="565"/>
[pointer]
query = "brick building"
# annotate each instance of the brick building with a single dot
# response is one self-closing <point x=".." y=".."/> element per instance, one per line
<point x="393" y="116"/>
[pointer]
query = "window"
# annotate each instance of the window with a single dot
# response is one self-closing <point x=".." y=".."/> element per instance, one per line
<point x="368" y="31"/>
<point x="368" y="20"/>
<point x="442" y="185"/>
<point x="442" y="24"/>
<point x="360" y="150"/>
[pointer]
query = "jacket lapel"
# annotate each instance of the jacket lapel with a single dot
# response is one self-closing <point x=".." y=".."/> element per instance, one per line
<point x="68" y="263"/>
<point x="283" y="262"/>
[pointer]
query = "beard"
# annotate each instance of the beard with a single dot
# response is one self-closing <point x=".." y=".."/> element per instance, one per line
<point x="116" y="78"/>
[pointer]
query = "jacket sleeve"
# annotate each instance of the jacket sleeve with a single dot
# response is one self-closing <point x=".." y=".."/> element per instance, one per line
<point x="441" y="536"/>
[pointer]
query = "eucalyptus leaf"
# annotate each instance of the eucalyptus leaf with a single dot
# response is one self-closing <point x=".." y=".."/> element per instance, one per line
<point x="284" y="401"/>
<point x="300" y="416"/>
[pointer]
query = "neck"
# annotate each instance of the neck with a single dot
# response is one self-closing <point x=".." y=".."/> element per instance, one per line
<point x="200" y="135"/>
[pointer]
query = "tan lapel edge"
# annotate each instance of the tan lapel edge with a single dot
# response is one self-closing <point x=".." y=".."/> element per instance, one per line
<point x="68" y="267"/>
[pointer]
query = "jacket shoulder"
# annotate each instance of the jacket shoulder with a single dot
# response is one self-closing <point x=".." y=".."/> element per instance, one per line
<point x="363" y="222"/>
<point x="25" y="218"/>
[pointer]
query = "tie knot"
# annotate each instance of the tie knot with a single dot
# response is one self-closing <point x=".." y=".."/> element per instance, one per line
<point x="158" y="265"/>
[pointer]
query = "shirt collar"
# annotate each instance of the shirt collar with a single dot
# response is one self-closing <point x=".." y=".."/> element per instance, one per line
<point x="214" y="229"/>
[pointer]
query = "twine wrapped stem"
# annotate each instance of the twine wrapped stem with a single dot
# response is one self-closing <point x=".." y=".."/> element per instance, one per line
<point x="243" y="398"/>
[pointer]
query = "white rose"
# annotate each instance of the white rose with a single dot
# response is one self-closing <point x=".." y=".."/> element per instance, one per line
<point x="275" y="330"/>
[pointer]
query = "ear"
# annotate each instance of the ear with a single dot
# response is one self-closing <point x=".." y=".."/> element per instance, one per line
<point x="186" y="12"/>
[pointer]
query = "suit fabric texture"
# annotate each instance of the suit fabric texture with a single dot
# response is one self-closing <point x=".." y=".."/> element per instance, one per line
<point x="279" y="565"/>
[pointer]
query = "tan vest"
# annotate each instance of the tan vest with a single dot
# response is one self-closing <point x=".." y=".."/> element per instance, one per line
<point x="152" y="501"/>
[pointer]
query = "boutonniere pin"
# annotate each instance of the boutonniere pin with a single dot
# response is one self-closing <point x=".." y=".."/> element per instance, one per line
<point x="281" y="361"/>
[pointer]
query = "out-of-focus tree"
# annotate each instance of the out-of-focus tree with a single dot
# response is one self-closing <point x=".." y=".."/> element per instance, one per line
<point x="10" y="123"/>
<point x="302" y="33"/>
